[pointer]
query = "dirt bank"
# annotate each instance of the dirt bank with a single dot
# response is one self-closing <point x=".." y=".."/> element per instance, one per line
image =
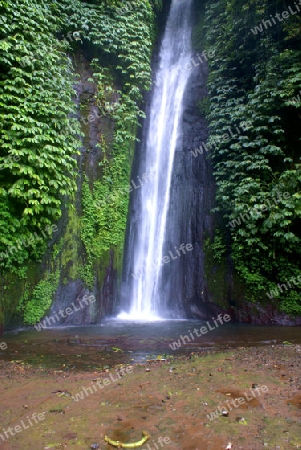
<point x="257" y="389"/>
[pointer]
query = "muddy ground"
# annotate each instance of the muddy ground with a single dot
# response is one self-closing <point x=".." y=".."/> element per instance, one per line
<point x="171" y="399"/>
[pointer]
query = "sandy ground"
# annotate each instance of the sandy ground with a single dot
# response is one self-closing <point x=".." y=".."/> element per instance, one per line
<point x="257" y="391"/>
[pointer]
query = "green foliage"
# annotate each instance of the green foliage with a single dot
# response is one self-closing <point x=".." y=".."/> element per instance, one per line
<point x="256" y="79"/>
<point x="40" y="134"/>
<point x="204" y="106"/>
<point x="291" y="303"/>
<point x="121" y="41"/>
<point x="105" y="206"/>
<point x="34" y="309"/>
<point x="38" y="137"/>
<point x="217" y="247"/>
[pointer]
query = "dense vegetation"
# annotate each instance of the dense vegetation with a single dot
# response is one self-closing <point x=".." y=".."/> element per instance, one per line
<point x="38" y="135"/>
<point x="255" y="77"/>
<point x="41" y="133"/>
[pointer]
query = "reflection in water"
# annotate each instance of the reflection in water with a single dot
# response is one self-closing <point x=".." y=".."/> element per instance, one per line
<point x="114" y="341"/>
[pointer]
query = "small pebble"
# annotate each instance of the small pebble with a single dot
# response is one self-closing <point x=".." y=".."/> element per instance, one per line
<point x="95" y="446"/>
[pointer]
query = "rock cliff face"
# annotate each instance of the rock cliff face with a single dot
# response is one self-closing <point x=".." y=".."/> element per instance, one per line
<point x="192" y="198"/>
<point x="71" y="288"/>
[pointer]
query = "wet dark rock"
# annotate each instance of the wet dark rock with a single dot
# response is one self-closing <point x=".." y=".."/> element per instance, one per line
<point x="256" y="313"/>
<point x="191" y="200"/>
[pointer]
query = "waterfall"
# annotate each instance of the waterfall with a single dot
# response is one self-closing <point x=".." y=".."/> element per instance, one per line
<point x="161" y="140"/>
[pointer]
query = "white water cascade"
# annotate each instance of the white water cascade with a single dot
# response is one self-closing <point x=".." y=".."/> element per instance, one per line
<point x="161" y="142"/>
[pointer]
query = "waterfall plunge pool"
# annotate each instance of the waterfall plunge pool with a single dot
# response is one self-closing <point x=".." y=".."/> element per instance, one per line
<point x="115" y="341"/>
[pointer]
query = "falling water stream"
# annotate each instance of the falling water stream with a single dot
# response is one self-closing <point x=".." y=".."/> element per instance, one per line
<point x="158" y="150"/>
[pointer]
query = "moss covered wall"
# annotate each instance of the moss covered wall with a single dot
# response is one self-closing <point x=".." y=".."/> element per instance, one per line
<point x="97" y="46"/>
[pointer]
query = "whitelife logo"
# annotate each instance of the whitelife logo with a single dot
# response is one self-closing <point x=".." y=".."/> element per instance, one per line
<point x="29" y="241"/>
<point x="256" y="211"/>
<point x="166" y="259"/>
<point x="244" y="126"/>
<point x="269" y="23"/>
<point x="86" y="391"/>
<point x="3" y="346"/>
<point x="236" y="402"/>
<point x="192" y="65"/>
<point x="275" y="293"/>
<point x="298" y="98"/>
<point x="36" y="417"/>
<point x="161" y="440"/>
<point x="113" y="196"/>
<point x="51" y="320"/>
<point x="203" y="330"/>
